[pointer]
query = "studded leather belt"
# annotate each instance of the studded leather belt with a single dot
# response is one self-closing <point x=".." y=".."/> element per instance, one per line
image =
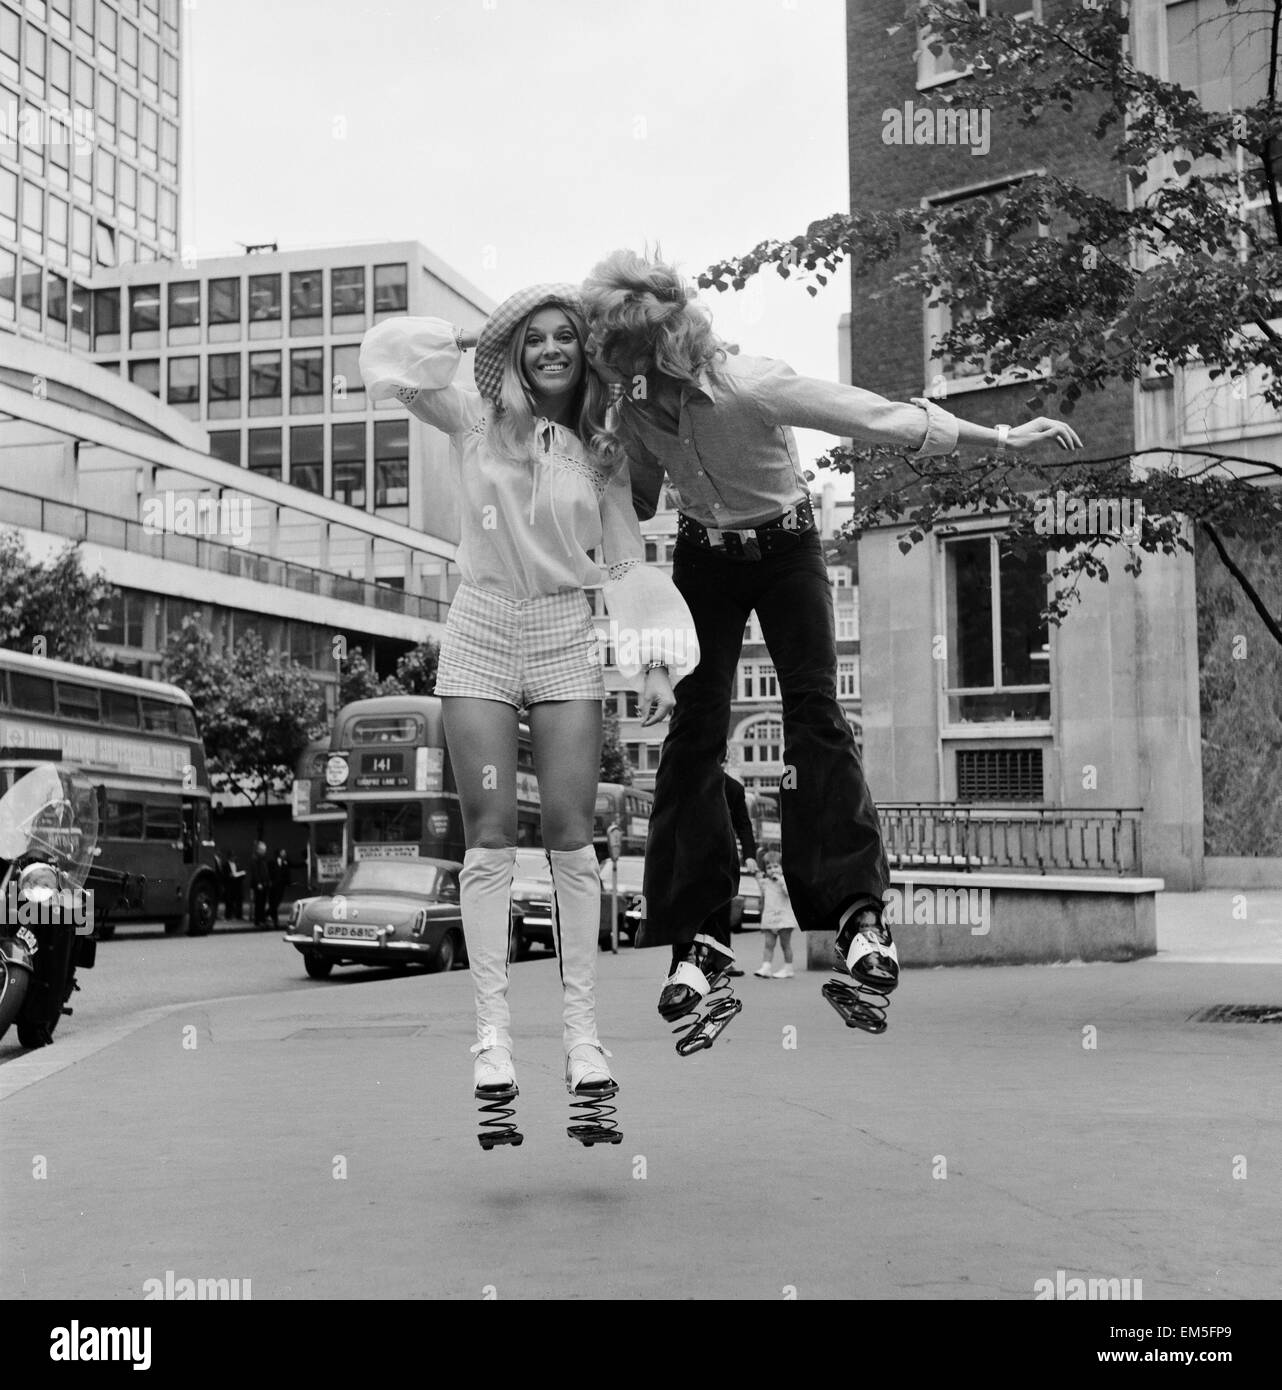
<point x="768" y="538"/>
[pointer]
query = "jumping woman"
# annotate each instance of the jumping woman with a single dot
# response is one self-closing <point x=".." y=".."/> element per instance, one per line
<point x="542" y="487"/>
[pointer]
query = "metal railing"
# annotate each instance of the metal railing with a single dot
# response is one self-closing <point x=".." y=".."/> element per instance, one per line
<point x="963" y="836"/>
<point x="119" y="533"/>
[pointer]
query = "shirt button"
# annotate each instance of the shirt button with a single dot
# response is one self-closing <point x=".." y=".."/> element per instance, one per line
<point x="685" y="441"/>
<point x="701" y="472"/>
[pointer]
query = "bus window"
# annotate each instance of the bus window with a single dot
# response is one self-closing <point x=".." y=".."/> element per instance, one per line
<point x="391" y="730"/>
<point x="31" y="692"/>
<point x="159" y="717"/>
<point x="79" y="702"/>
<point x="395" y="824"/>
<point x="164" y="822"/>
<point x="187" y="723"/>
<point x="120" y="708"/>
<point x="124" y="819"/>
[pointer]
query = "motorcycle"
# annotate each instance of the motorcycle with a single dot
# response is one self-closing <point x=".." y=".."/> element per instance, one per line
<point x="52" y="896"/>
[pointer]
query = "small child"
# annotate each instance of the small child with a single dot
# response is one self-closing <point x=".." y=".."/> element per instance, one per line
<point x="777" y="920"/>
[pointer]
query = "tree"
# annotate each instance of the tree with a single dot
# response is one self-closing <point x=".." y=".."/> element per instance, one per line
<point x="1183" y="279"/>
<point x="616" y="766"/>
<point x="356" y="679"/>
<point x="416" y="670"/>
<point x="257" y="711"/>
<point x="50" y="609"/>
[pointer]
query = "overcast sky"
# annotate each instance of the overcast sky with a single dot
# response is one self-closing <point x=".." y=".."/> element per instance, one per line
<point x="520" y="140"/>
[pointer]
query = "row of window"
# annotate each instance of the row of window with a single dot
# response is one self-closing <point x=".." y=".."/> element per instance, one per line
<point x="145" y="622"/>
<point x="263" y="452"/>
<point x="61" y="229"/>
<point x="43" y="64"/>
<point x="224" y="306"/>
<point x="143" y="820"/>
<point x="65" y="137"/>
<point x="231" y="384"/>
<point x="87" y="704"/>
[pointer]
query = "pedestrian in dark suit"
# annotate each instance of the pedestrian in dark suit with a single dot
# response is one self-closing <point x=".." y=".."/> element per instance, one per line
<point x="260" y="881"/>
<point x="281" y="876"/>
<point x="235" y="890"/>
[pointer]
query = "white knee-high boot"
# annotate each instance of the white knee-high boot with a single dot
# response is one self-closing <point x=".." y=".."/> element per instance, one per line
<point x="485" y="890"/>
<point x="576" y="878"/>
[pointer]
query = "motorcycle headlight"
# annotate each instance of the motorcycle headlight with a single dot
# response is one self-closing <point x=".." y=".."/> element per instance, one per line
<point x="38" y="883"/>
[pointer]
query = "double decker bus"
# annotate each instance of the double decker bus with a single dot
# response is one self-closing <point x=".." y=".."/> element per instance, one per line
<point x="326" y="820"/>
<point x="627" y="807"/>
<point x="138" y="739"/>
<point x="387" y="768"/>
<point x="763" y="811"/>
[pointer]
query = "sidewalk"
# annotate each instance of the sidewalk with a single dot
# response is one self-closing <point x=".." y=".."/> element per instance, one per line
<point x="1013" y="1122"/>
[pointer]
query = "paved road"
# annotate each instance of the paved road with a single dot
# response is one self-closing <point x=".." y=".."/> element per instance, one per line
<point x="1013" y="1123"/>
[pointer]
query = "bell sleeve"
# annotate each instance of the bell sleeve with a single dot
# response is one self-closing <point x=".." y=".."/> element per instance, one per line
<point x="650" y="621"/>
<point x="415" y="360"/>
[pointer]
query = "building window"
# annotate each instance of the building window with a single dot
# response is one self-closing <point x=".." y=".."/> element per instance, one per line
<point x="147" y="206"/>
<point x="128" y="54"/>
<point x="264" y="383"/>
<point x="149" y="137"/>
<point x="144" y="315"/>
<point x="224" y="385"/>
<point x="106" y="110"/>
<point x="81" y="315"/>
<point x="33" y="217"/>
<point x="224" y="309"/>
<point x="31" y="293"/>
<point x="122" y="627"/>
<point x="105" y="244"/>
<point x="348" y="454"/>
<point x="127" y="138"/>
<point x="941" y="368"/>
<point x="106" y="321"/>
<point x="8" y="290"/>
<point x="848" y="677"/>
<point x="184" y="304"/>
<point x="82" y="243"/>
<point x="56" y="299"/>
<point x="184" y="381"/>
<point x="347" y="386"/>
<point x="146" y="375"/>
<point x="998" y="642"/>
<point x="59" y="75"/>
<point x="224" y="445"/>
<point x="347" y="298"/>
<point x="264" y="306"/>
<point x="59" y="229"/>
<point x="307" y="381"/>
<point x="9" y="204"/>
<point x="763" y="741"/>
<point x="10" y="32"/>
<point x="264" y="452"/>
<point x="305" y="305"/>
<point x="307" y="457"/>
<point x="391" y="463"/>
<point x="149" y="68"/>
<point x="34" y="77"/>
<point x="757" y="681"/>
<point x="391" y="290"/>
<point x="934" y="69"/>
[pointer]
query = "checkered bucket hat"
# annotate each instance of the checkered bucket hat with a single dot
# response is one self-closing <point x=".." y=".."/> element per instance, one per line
<point x="491" y="347"/>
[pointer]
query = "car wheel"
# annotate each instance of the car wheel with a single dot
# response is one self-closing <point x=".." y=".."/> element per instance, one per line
<point x="317" y="966"/>
<point x="447" y="955"/>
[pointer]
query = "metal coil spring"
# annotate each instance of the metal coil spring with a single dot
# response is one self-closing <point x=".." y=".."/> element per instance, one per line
<point x="702" y="1030"/>
<point x="499" y="1129"/>
<point x="601" y="1127"/>
<point x="859" y="1005"/>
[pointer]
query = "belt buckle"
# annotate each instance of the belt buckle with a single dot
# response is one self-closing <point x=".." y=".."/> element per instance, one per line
<point x="715" y="538"/>
<point x="751" y="550"/>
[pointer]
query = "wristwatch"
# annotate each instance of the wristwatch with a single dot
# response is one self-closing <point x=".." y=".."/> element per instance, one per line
<point x="1003" y="433"/>
<point x="656" y="666"/>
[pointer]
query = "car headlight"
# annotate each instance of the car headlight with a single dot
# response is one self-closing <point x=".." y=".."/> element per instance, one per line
<point x="38" y="883"/>
<point x="295" y="914"/>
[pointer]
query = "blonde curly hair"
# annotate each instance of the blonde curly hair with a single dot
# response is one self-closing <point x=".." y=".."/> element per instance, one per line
<point x="642" y="314"/>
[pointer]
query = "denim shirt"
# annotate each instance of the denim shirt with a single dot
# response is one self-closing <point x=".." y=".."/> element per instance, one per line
<point x="732" y="460"/>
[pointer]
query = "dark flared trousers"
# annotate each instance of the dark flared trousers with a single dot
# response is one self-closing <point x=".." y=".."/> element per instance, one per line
<point x="832" y="847"/>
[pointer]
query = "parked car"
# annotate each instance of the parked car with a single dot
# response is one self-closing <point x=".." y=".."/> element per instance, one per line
<point x="383" y="912"/>
<point x="750" y="895"/>
<point x="532" y="902"/>
<point x="631" y="877"/>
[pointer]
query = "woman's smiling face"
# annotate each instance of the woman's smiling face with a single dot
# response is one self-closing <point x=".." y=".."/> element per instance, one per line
<point x="551" y="357"/>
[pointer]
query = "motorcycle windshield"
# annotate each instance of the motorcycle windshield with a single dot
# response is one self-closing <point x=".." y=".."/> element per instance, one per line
<point x="54" y="816"/>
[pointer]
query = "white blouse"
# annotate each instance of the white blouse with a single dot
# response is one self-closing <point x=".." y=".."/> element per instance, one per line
<point x="528" y="527"/>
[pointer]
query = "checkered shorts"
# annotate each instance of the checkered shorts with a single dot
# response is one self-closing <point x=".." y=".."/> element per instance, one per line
<point x="520" y="651"/>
